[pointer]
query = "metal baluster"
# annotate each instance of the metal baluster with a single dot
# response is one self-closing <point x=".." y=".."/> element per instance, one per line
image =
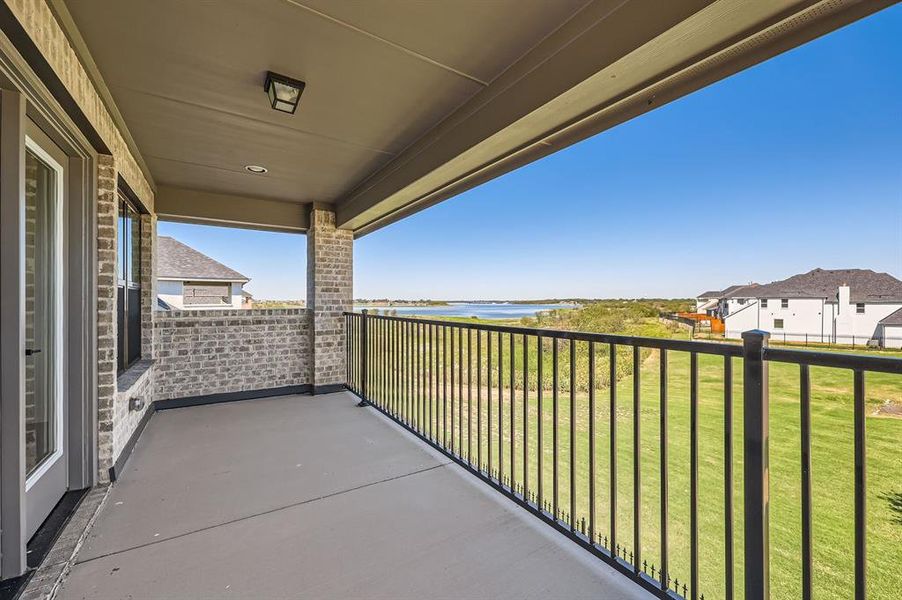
<point x="512" y="411"/>
<point x="540" y="354"/>
<point x="488" y="387"/>
<point x="572" y="435"/>
<point x="469" y="394"/>
<point x="664" y="481"/>
<point x="444" y="386"/>
<point x="430" y="358"/>
<point x="554" y="436"/>
<point x="460" y="391"/>
<point x="525" y="417"/>
<point x="479" y="398"/>
<point x="411" y="376"/>
<point x="693" y="474"/>
<point x="592" y="474"/>
<point x="406" y="354"/>
<point x="860" y="488"/>
<point x="452" y="390"/>
<point x="728" y="473"/>
<point x="805" y="416"/>
<point x="637" y="453"/>
<point x="417" y="379"/>
<point x="500" y="406"/>
<point x="612" y="349"/>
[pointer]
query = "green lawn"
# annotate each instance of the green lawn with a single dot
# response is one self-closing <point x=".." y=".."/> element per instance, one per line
<point x="832" y="441"/>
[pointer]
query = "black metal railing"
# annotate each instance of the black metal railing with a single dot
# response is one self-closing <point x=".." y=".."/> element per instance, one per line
<point x="426" y="374"/>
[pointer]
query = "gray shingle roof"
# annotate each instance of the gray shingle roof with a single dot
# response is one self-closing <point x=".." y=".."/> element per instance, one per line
<point x="741" y="291"/>
<point x="893" y="319"/>
<point x="865" y="286"/>
<point x="729" y="292"/>
<point x="175" y="260"/>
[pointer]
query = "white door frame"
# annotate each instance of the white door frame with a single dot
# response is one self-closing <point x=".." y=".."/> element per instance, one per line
<point x="42" y="486"/>
<point x="23" y="97"/>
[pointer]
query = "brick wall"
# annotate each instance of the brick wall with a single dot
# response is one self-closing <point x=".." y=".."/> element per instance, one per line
<point x="107" y="213"/>
<point x="137" y="382"/>
<point x="330" y="293"/>
<point x="201" y="352"/>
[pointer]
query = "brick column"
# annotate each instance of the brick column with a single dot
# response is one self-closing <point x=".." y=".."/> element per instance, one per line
<point x="148" y="283"/>
<point x="330" y="279"/>
<point x="107" y="213"/>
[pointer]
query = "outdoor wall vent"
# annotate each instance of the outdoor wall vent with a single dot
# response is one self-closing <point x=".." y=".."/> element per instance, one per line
<point x="284" y="92"/>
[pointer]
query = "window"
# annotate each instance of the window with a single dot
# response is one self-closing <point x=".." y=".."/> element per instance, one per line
<point x="778" y="323"/>
<point x="859" y="308"/>
<point x="742" y="301"/>
<point x="784" y="303"/>
<point x="207" y="294"/>
<point x="128" y="299"/>
<point x="764" y="303"/>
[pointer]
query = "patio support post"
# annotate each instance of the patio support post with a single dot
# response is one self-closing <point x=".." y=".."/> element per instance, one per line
<point x="330" y="278"/>
<point x="755" y="467"/>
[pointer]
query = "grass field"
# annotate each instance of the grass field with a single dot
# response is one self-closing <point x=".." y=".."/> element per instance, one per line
<point x="832" y="458"/>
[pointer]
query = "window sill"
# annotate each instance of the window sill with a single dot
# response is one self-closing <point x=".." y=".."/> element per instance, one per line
<point x="128" y="378"/>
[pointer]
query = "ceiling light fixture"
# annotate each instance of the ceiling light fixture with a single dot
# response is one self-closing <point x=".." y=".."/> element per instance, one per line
<point x="256" y="169"/>
<point x="284" y="92"/>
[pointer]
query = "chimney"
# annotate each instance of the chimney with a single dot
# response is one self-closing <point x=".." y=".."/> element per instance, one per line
<point x="843" y="296"/>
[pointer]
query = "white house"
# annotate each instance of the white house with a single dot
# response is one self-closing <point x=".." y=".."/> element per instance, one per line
<point x="188" y="279"/>
<point x="844" y="306"/>
<point x="709" y="303"/>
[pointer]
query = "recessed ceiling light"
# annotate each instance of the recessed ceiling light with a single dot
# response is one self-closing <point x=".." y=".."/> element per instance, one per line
<point x="255" y="169"/>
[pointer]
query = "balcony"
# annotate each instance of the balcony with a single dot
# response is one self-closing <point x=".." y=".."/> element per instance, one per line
<point x="300" y="496"/>
<point x="145" y="113"/>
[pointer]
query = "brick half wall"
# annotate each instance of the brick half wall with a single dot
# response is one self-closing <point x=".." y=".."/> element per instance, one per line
<point x="203" y="352"/>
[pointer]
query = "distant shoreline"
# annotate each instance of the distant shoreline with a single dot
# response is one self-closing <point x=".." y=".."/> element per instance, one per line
<point x="402" y="303"/>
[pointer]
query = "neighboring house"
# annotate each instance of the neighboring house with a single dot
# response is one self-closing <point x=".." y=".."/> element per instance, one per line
<point x="247" y="299"/>
<point x="847" y="306"/>
<point x="890" y="331"/>
<point x="188" y="279"/>
<point x="710" y="302"/>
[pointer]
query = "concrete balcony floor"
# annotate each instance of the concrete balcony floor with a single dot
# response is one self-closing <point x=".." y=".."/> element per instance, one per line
<point x="312" y="497"/>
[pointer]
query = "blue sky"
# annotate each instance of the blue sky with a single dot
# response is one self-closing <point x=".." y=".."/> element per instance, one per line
<point x="793" y="164"/>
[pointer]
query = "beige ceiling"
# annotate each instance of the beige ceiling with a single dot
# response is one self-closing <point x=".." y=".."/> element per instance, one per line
<point x="187" y="76"/>
<point x="408" y="102"/>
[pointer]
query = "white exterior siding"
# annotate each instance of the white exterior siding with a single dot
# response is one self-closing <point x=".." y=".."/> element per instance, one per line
<point x="803" y="319"/>
<point x="171" y="292"/>
<point x="237" y="298"/>
<point x="810" y="320"/>
<point x="704" y="305"/>
<point x="892" y="336"/>
<point x="740" y="316"/>
<point x="865" y="325"/>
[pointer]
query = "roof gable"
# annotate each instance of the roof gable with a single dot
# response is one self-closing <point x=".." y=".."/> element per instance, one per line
<point x="176" y="260"/>
<point x="893" y="319"/>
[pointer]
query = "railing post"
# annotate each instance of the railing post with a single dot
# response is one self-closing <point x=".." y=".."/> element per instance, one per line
<point x="755" y="468"/>
<point x="364" y="375"/>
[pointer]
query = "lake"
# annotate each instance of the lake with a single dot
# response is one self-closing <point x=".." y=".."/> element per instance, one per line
<point x="501" y="310"/>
